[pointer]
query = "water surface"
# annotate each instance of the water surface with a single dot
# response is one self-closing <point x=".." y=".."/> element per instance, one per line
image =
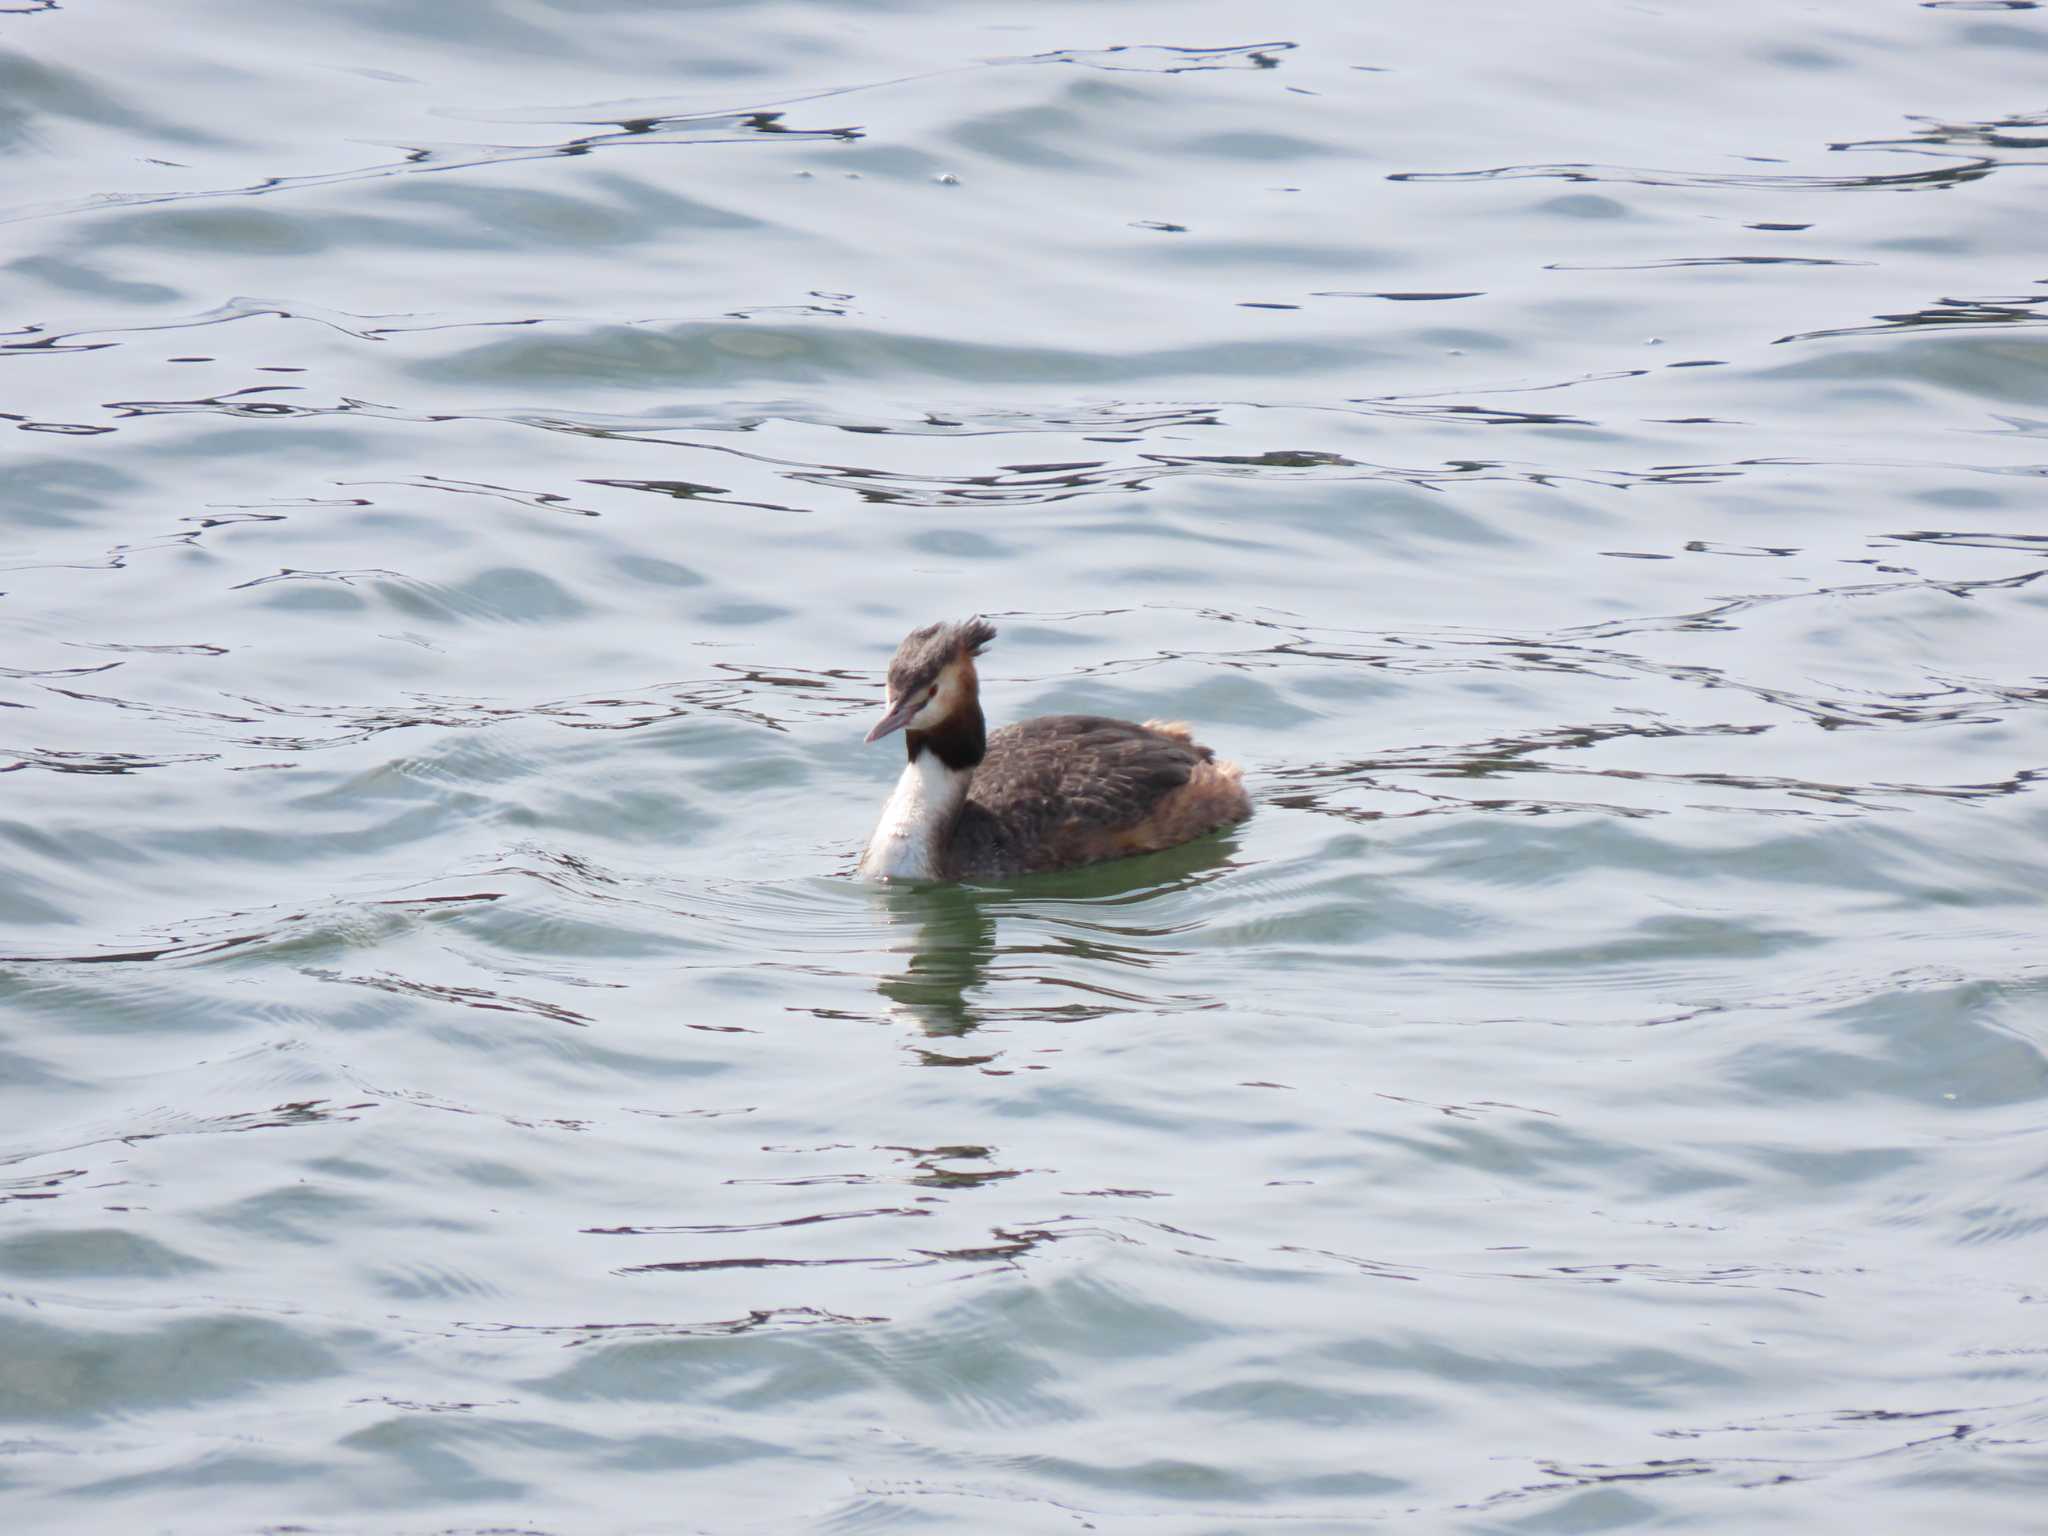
<point x="469" y="467"/>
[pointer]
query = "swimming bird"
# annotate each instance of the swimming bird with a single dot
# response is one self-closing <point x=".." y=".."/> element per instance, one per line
<point x="1043" y="794"/>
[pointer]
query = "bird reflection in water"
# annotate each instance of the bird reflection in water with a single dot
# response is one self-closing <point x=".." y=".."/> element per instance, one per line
<point x="1066" y="927"/>
<point x="948" y="933"/>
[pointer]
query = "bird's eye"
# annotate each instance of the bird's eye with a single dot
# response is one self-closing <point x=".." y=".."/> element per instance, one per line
<point x="933" y="694"/>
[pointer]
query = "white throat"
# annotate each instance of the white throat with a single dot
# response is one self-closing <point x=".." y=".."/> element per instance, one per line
<point x="910" y="839"/>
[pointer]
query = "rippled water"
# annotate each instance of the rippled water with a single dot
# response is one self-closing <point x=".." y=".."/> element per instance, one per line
<point x="473" y="462"/>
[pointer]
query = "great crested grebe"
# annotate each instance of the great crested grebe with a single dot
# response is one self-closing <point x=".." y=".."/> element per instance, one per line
<point x="1045" y="794"/>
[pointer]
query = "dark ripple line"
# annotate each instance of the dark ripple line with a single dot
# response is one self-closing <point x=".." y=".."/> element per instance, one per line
<point x="1711" y="618"/>
<point x="1567" y="1477"/>
<point x="692" y="1266"/>
<point x="740" y="128"/>
<point x="729" y="1228"/>
<point x="347" y="323"/>
<point x="1509" y="756"/>
<point x="39" y="1186"/>
<point x="57" y="760"/>
<point x="1991" y="133"/>
<point x="1942" y="315"/>
<point x="277" y="1117"/>
<point x="278" y="929"/>
<point x="1729" y="1276"/>
<point x="757" y="1320"/>
<point x="1706" y="261"/>
<point x="1965" y="171"/>
<point x="352" y="724"/>
<point x="1122" y="58"/>
<point x="467" y="997"/>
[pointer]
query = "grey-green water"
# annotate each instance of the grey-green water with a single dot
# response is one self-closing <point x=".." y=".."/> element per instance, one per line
<point x="470" y="465"/>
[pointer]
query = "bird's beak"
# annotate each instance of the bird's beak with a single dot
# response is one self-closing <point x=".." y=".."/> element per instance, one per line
<point x="898" y="716"/>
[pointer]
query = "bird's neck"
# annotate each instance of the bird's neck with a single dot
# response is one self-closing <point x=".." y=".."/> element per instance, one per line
<point x="916" y="826"/>
<point x="911" y="839"/>
<point x="960" y="740"/>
